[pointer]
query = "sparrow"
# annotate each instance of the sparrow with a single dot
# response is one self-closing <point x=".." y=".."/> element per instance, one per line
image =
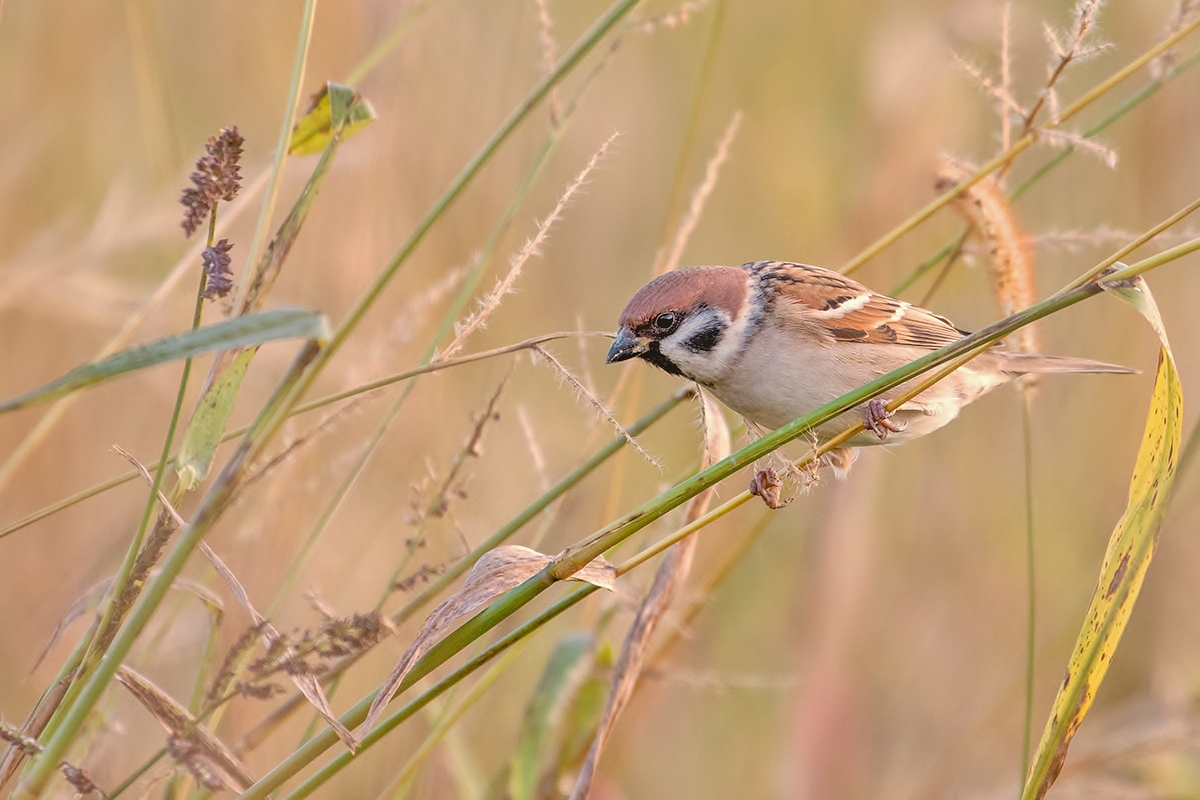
<point x="775" y="340"/>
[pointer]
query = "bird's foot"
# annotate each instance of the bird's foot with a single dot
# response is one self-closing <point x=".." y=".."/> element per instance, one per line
<point x="878" y="420"/>
<point x="767" y="485"/>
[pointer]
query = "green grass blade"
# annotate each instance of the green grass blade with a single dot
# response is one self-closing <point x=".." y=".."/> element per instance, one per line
<point x="207" y="426"/>
<point x="248" y="331"/>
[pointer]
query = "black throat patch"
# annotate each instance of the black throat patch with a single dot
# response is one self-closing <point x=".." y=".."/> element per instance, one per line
<point x="655" y="356"/>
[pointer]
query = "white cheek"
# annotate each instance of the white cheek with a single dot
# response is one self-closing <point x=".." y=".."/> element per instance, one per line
<point x="712" y="365"/>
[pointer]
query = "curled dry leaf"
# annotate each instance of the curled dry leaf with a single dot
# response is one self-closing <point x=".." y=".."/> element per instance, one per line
<point x="308" y="684"/>
<point x="206" y="756"/>
<point x="494" y="573"/>
<point x="668" y="580"/>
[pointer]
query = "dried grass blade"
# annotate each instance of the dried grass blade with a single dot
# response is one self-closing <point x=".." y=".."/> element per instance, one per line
<point x="308" y="684"/>
<point x="668" y="580"/>
<point x="206" y="756"/>
<point x="496" y="572"/>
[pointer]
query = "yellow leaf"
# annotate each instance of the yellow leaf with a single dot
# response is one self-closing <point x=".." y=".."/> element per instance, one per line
<point x="1125" y="561"/>
<point x="333" y="107"/>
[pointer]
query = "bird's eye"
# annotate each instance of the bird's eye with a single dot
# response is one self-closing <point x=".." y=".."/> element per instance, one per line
<point x="665" y="321"/>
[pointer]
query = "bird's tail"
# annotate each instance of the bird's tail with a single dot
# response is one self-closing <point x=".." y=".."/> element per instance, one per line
<point x="1024" y="363"/>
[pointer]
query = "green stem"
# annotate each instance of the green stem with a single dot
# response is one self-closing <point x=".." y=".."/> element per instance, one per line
<point x="125" y="571"/>
<point x="1030" y="579"/>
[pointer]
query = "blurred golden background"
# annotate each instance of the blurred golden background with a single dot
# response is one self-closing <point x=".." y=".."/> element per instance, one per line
<point x="872" y="642"/>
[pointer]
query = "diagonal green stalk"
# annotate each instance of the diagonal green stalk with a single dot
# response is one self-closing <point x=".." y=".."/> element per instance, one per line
<point x="89" y="653"/>
<point x="575" y="557"/>
<point x="445" y="327"/>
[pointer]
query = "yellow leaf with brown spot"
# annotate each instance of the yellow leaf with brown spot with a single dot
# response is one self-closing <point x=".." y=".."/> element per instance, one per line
<point x="1125" y="561"/>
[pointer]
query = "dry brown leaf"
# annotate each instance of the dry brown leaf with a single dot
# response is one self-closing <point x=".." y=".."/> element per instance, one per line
<point x="207" y="756"/>
<point x="494" y="573"/>
<point x="668" y="580"/>
<point x="308" y="685"/>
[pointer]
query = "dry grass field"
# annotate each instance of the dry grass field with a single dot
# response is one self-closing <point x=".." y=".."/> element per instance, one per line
<point x="870" y="640"/>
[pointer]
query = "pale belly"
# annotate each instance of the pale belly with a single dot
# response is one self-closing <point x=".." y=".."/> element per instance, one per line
<point x="772" y="391"/>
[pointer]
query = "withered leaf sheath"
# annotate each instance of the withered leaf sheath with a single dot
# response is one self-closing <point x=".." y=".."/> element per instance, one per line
<point x="217" y="177"/>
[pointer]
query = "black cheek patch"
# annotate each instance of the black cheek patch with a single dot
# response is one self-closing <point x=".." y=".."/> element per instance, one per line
<point x="705" y="340"/>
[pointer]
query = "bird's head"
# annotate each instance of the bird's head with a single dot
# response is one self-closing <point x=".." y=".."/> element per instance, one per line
<point x="688" y="322"/>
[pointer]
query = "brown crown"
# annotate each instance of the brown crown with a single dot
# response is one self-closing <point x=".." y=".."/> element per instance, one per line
<point x="683" y="289"/>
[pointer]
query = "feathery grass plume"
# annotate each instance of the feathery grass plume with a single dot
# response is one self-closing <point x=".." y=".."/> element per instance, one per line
<point x="217" y="177"/>
<point x="1000" y="91"/>
<point x="1102" y="236"/>
<point x="1066" y="49"/>
<point x="1072" y="47"/>
<point x="1185" y="12"/>
<point x="593" y="401"/>
<point x="673" y="19"/>
<point x="986" y="209"/>
<point x="712" y="171"/>
<point x="218" y="277"/>
<point x="1006" y="75"/>
<point x="549" y="57"/>
<point x="532" y="247"/>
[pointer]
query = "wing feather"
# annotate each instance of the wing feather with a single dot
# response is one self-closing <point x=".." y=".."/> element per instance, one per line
<point x="850" y="312"/>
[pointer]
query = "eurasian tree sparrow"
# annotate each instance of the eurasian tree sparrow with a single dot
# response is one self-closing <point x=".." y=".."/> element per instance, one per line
<point x="775" y="340"/>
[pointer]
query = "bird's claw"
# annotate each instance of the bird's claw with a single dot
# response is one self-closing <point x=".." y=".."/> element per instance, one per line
<point x="878" y="420"/>
<point x="766" y="484"/>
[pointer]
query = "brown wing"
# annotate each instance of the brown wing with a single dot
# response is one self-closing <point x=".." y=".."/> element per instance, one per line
<point x="849" y="311"/>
